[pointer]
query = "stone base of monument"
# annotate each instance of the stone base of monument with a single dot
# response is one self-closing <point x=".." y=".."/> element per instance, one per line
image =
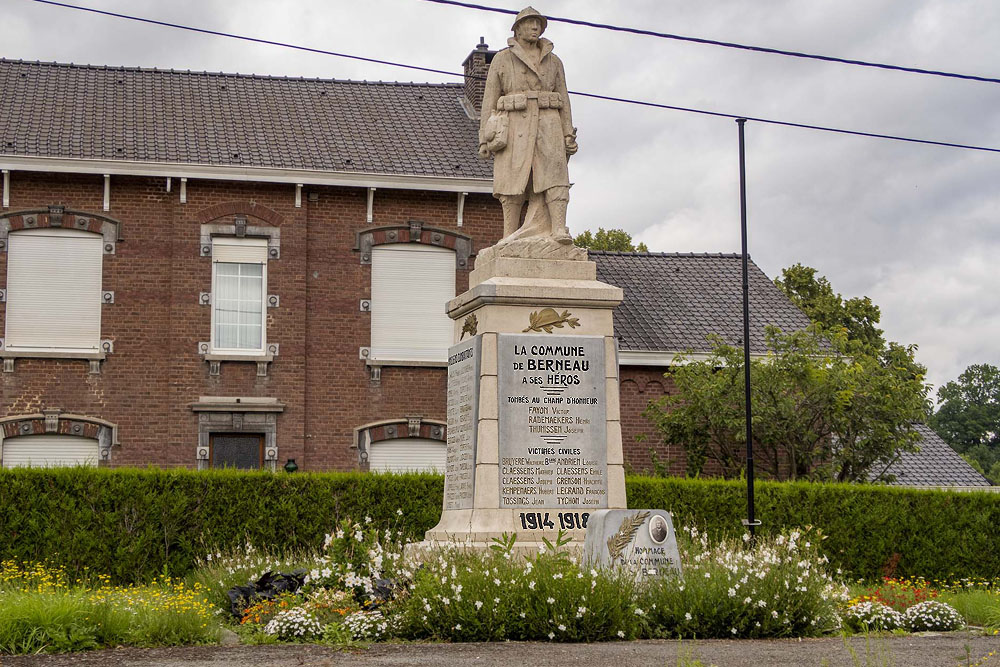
<point x="534" y="432"/>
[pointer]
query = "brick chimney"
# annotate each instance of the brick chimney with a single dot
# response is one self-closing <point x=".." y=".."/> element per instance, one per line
<point x="476" y="66"/>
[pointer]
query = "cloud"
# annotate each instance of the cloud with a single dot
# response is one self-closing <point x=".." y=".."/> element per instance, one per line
<point x="914" y="227"/>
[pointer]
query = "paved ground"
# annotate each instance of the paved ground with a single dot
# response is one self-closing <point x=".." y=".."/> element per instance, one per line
<point x="911" y="651"/>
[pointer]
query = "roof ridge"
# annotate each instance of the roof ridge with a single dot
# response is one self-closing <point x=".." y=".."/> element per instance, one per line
<point x="707" y="255"/>
<point x="275" y="77"/>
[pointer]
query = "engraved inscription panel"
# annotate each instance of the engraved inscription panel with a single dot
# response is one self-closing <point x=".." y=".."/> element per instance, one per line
<point x="463" y="415"/>
<point x="553" y="433"/>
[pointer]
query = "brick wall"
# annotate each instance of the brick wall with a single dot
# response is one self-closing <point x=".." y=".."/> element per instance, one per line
<point x="148" y="384"/>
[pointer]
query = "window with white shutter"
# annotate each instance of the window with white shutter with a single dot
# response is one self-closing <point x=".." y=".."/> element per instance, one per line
<point x="411" y="283"/>
<point x="53" y="290"/>
<point x="239" y="285"/>
<point x="49" y="450"/>
<point x="407" y="455"/>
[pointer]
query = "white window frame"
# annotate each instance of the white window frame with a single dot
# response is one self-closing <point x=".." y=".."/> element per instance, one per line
<point x="93" y="344"/>
<point x="381" y="310"/>
<point x="250" y="248"/>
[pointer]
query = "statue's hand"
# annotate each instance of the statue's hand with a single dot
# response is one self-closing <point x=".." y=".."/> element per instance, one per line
<point x="571" y="145"/>
<point x="484" y="152"/>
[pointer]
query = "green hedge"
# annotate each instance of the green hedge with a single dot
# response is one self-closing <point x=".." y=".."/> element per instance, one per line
<point x="134" y="524"/>
<point x="870" y="530"/>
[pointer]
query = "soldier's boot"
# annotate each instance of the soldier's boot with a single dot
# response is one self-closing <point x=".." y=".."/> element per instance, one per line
<point x="557" y="199"/>
<point x="511" y="205"/>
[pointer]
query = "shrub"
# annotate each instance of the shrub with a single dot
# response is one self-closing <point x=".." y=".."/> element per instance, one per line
<point x="295" y="623"/>
<point x="136" y="524"/>
<point x="779" y="588"/>
<point x="461" y="595"/>
<point x="932" y="615"/>
<point x="866" y="616"/>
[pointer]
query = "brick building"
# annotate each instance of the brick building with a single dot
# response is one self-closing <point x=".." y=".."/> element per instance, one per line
<point x="203" y="269"/>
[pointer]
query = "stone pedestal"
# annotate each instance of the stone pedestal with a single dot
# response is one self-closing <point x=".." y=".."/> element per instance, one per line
<point x="534" y="432"/>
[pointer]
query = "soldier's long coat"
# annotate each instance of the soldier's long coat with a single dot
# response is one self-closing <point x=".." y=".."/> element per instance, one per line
<point x="536" y="143"/>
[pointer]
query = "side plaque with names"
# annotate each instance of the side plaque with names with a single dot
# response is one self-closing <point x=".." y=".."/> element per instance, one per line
<point x="553" y="433"/>
<point x="463" y="416"/>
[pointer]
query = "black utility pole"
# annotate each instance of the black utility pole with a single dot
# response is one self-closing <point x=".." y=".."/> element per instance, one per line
<point x="751" y="521"/>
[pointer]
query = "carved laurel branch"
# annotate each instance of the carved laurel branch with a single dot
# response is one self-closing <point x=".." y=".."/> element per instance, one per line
<point x="470" y="326"/>
<point x="621" y="539"/>
<point x="547" y="318"/>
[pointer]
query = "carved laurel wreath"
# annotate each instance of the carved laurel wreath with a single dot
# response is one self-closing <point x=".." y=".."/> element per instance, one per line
<point x="546" y="319"/>
<point x="621" y="539"/>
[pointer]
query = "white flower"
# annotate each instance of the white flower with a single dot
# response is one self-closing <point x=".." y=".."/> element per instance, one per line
<point x="522" y="614"/>
<point x="562" y="628"/>
<point x="550" y="600"/>
<point x="496" y="582"/>
<point x="479" y="605"/>
<point x="458" y="626"/>
<point x="687" y="616"/>
<point x="496" y="600"/>
<point x="733" y="631"/>
<point x="368" y="519"/>
<point x="621" y="634"/>
<point x="399" y="512"/>
<point x="639" y="612"/>
<point x="708" y="575"/>
<point x="359" y="537"/>
<point x="551" y="635"/>
<point x="557" y="575"/>
<point x="531" y="585"/>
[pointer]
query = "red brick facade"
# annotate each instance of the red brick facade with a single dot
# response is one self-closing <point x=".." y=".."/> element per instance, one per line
<point x="147" y="385"/>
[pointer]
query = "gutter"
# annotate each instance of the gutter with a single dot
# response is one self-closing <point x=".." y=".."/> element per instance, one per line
<point x="236" y="173"/>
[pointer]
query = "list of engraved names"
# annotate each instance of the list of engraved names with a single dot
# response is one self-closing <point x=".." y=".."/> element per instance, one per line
<point x="463" y="409"/>
<point x="553" y="434"/>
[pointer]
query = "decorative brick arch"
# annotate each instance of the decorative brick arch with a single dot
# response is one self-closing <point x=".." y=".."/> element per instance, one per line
<point x="237" y="208"/>
<point x="56" y="421"/>
<point x="64" y="218"/>
<point x="414" y="231"/>
<point x="654" y="387"/>
<point x="391" y="429"/>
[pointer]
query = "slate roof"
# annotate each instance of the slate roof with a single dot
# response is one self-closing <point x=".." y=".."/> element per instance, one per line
<point x="149" y="115"/>
<point x="674" y="301"/>
<point x="936" y="464"/>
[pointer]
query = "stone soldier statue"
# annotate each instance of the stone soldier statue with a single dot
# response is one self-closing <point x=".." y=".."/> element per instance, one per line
<point x="527" y="126"/>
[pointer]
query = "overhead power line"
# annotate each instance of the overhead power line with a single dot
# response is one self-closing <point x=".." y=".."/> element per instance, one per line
<point x="609" y="98"/>
<point x="728" y="45"/>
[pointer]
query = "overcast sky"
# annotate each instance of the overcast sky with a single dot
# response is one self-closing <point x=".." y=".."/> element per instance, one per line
<point x="916" y="228"/>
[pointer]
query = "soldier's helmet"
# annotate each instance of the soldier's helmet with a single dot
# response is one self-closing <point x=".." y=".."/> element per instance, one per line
<point x="530" y="13"/>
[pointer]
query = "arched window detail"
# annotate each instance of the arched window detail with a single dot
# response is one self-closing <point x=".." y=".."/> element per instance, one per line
<point x="52" y="437"/>
<point x="400" y="445"/>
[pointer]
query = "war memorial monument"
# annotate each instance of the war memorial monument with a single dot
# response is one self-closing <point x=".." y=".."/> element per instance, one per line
<point x="534" y="434"/>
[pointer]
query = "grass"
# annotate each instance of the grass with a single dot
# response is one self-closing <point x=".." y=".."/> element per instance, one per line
<point x="977" y="606"/>
<point x="41" y="611"/>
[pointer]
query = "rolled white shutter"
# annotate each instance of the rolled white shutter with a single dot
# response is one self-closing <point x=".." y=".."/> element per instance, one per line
<point x="46" y="451"/>
<point x="411" y="283"/>
<point x="54" y="290"/>
<point x="407" y="455"/>
<point x="239" y="251"/>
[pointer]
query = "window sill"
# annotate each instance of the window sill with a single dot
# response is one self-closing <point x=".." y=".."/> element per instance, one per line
<point x="422" y="363"/>
<point x="92" y="355"/>
<point x="238" y="356"/>
<point x="95" y="357"/>
<point x="215" y="360"/>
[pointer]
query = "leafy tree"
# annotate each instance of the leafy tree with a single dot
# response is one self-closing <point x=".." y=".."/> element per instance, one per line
<point x="816" y="414"/>
<point x="850" y="324"/>
<point x="969" y="412"/>
<point x="857" y="318"/>
<point x="612" y="239"/>
<point x="836" y="401"/>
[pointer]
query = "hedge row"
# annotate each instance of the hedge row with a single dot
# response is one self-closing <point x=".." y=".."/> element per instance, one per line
<point x="134" y="524"/>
